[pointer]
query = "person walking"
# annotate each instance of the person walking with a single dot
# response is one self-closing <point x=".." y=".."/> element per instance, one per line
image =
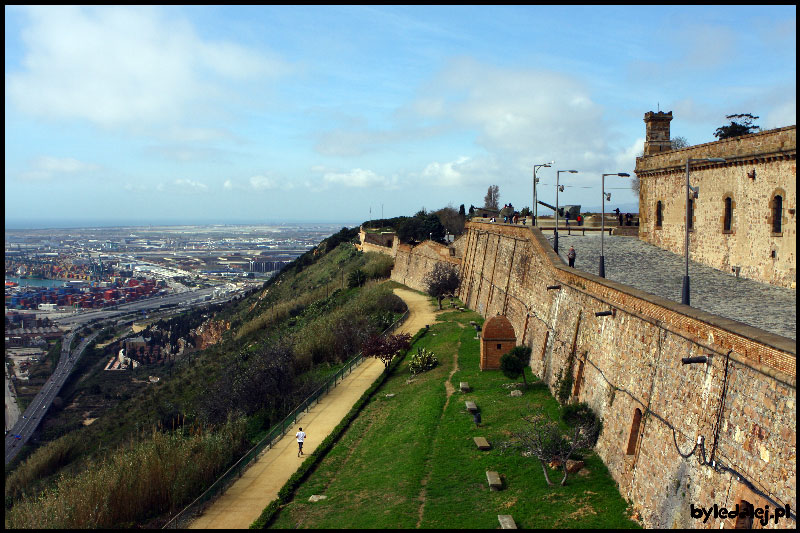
<point x="301" y="436"/>
<point x="571" y="256"/>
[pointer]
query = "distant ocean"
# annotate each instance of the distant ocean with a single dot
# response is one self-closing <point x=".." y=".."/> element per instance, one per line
<point x="82" y="224"/>
<point x="36" y="282"/>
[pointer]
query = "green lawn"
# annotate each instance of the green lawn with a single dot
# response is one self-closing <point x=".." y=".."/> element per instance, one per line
<point x="409" y="460"/>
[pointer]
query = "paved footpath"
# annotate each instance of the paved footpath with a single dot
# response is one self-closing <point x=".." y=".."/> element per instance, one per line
<point x="649" y="268"/>
<point x="243" y="502"/>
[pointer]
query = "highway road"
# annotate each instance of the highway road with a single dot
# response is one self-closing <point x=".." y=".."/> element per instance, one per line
<point x="33" y="415"/>
<point x="27" y="424"/>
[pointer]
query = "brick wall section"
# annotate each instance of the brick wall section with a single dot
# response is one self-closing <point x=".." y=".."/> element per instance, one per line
<point x="633" y="361"/>
<point x="757" y="167"/>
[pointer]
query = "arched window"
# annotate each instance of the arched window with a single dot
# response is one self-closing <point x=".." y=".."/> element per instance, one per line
<point x="777" y="213"/>
<point x="659" y="214"/>
<point x="690" y="222"/>
<point x="634" y="436"/>
<point x="727" y="224"/>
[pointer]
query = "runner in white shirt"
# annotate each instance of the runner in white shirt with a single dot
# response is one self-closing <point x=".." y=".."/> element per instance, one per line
<point x="300" y="438"/>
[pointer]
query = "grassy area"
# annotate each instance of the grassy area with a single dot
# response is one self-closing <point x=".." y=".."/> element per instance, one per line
<point x="321" y="326"/>
<point x="409" y="461"/>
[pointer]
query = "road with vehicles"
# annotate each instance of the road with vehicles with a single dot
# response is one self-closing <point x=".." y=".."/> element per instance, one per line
<point x="25" y="426"/>
<point x="35" y="412"/>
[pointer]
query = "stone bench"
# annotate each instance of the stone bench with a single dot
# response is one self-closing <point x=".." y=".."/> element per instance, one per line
<point x="506" y="521"/>
<point x="482" y="443"/>
<point x="464" y="386"/>
<point x="471" y="407"/>
<point x="494" y="480"/>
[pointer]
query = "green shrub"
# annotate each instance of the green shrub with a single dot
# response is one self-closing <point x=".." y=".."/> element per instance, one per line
<point x="422" y="360"/>
<point x="514" y="362"/>
<point x="581" y="415"/>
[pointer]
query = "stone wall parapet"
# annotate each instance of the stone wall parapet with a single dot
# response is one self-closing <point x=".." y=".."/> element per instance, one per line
<point x="776" y="143"/>
<point x="758" y="346"/>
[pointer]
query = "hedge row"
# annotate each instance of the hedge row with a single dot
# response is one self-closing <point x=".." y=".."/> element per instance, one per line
<point x="288" y="490"/>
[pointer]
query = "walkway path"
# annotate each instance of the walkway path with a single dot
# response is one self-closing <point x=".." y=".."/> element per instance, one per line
<point x="243" y="502"/>
<point x="649" y="268"/>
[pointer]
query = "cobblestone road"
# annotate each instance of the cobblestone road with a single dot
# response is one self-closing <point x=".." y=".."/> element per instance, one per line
<point x="649" y="268"/>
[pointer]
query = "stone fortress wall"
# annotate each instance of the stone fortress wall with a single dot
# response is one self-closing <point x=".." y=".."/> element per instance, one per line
<point x="413" y="263"/>
<point x="758" y="168"/>
<point x="628" y="368"/>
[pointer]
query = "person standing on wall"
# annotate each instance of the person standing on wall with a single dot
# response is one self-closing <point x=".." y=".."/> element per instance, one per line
<point x="571" y="256"/>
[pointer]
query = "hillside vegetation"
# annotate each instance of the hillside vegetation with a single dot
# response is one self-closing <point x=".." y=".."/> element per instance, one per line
<point x="157" y="450"/>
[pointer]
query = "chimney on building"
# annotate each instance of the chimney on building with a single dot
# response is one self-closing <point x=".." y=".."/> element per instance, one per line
<point x="657" y="138"/>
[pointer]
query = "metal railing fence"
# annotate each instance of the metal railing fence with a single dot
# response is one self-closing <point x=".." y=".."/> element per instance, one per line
<point x="277" y="431"/>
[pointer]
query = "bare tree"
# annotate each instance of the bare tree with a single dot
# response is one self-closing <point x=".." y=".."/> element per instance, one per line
<point x="442" y="281"/>
<point x="543" y="438"/>
<point x="492" y="198"/>
<point x="676" y="143"/>
<point x="386" y="348"/>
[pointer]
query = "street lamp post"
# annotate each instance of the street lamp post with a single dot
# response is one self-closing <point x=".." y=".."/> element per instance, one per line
<point x="559" y="187"/>
<point x="535" y="181"/>
<point x="603" y="220"/>
<point x="694" y="190"/>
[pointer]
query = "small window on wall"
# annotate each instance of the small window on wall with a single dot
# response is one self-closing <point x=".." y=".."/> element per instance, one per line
<point x="744" y="519"/>
<point x="777" y="213"/>
<point x="727" y="224"/>
<point x="634" y="436"/>
<point x="659" y="214"/>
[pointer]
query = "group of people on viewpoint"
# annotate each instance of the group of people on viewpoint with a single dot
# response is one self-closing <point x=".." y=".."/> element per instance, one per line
<point x="512" y="217"/>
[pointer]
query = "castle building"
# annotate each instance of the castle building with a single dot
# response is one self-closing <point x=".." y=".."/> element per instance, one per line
<point x="743" y="219"/>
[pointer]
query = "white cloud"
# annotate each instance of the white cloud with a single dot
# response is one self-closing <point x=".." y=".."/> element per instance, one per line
<point x="123" y="66"/>
<point x="263" y="182"/>
<point x="46" y="168"/>
<point x="190" y="186"/>
<point x="464" y="171"/>
<point x="359" y="178"/>
<point x="520" y="115"/>
<point x="259" y="182"/>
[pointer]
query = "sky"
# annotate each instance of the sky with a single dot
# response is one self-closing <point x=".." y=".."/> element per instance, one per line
<point x="217" y="114"/>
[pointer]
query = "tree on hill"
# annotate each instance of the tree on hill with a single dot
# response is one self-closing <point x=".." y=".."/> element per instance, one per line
<point x="386" y="347"/>
<point x="421" y="227"/>
<point x="452" y="220"/>
<point x="492" y="198"/>
<point x="442" y="281"/>
<point x="356" y="278"/>
<point x="741" y="124"/>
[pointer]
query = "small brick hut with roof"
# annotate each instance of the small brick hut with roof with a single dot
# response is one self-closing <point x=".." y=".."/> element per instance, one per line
<point x="497" y="339"/>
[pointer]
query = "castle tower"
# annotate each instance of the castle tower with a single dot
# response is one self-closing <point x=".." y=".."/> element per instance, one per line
<point x="657" y="138"/>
